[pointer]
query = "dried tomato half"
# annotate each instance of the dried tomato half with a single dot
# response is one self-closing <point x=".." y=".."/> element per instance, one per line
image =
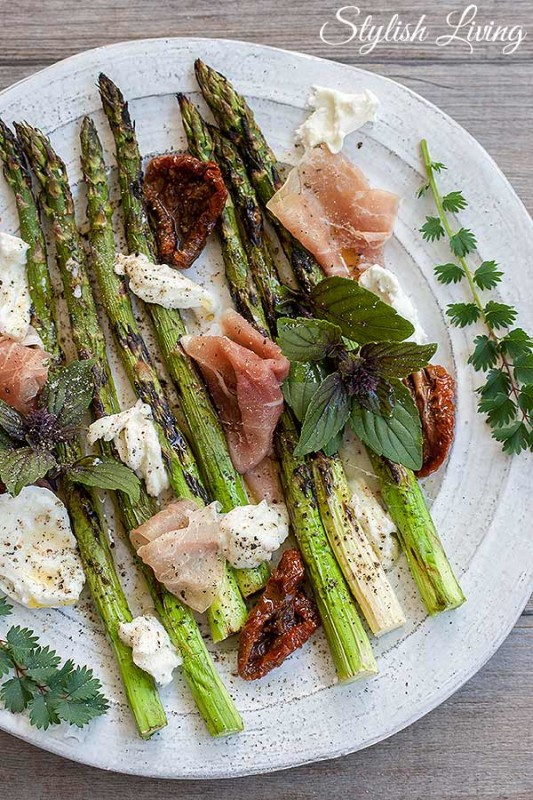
<point x="280" y="623"/>
<point x="185" y="197"/>
<point x="433" y="390"/>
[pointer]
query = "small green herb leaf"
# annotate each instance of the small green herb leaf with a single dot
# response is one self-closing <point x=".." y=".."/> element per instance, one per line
<point x="307" y="339"/>
<point x="449" y="273"/>
<point x="15" y="695"/>
<point x="397" y="359"/>
<point x="68" y="393"/>
<point x="517" y="343"/>
<point x="11" y="422"/>
<point x="438" y="166"/>
<point x="499" y="315"/>
<point x="5" y="607"/>
<point x="22" y="467"/>
<point x="525" y="398"/>
<point x="514" y="438"/>
<point x="463" y="242"/>
<point x="41" y="664"/>
<point x="42" y="710"/>
<point x="398" y="437"/>
<point x="463" y="314"/>
<point x="326" y="415"/>
<point x="487" y="275"/>
<point x="6" y="663"/>
<point x="422" y="190"/>
<point x="454" y="201"/>
<point x="359" y="314"/>
<point x="301" y="384"/>
<point x="523" y="368"/>
<point x="106" y="473"/>
<point x="485" y="353"/>
<point x="21" y="642"/>
<point x="500" y="409"/>
<point x="497" y="382"/>
<point x="432" y="229"/>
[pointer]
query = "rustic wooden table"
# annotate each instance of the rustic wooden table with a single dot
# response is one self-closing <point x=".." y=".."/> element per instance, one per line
<point x="479" y="744"/>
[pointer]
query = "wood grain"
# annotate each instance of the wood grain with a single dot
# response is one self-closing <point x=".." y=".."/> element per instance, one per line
<point x="478" y="745"/>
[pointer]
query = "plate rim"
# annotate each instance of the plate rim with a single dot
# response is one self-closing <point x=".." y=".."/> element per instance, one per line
<point x="56" y="746"/>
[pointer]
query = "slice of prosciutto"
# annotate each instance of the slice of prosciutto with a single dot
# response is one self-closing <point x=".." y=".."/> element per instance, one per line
<point x="23" y="373"/>
<point x="328" y="205"/>
<point x="244" y="371"/>
<point x="182" y="545"/>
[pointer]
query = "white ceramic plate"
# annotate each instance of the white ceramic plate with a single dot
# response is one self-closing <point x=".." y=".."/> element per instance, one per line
<point x="482" y="503"/>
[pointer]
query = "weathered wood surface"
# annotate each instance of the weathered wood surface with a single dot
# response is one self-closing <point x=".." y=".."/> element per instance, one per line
<point x="478" y="745"/>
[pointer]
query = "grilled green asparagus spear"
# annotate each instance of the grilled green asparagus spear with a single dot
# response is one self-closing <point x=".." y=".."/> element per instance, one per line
<point x="207" y="436"/>
<point x="349" y="645"/>
<point x="430" y="567"/>
<point x="83" y="506"/>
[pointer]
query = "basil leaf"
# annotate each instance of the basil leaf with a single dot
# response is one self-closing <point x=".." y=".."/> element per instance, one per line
<point x="398" y="437"/>
<point x="69" y="392"/>
<point x="11" y="422"/>
<point x="22" y="467"/>
<point x="302" y="382"/>
<point x="304" y="339"/>
<point x="326" y="415"/>
<point x="332" y="447"/>
<point x="360" y="314"/>
<point x="106" y="473"/>
<point x="398" y="359"/>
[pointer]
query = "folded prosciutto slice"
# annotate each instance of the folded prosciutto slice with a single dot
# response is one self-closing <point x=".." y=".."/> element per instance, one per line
<point x="327" y="204"/>
<point x="244" y="372"/>
<point x="23" y="373"/>
<point x="182" y="546"/>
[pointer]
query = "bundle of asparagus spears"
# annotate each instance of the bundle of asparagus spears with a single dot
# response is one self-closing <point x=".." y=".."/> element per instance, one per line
<point x="346" y="578"/>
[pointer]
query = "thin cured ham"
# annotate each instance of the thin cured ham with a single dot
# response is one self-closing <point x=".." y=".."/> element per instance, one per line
<point x="23" y="373"/>
<point x="182" y="546"/>
<point x="328" y="205"/>
<point x="244" y="371"/>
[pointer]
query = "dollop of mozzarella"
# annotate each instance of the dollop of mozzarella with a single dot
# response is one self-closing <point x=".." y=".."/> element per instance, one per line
<point x="376" y="523"/>
<point x="163" y="285"/>
<point x="251" y="534"/>
<point x="15" y="303"/>
<point x="151" y="648"/>
<point x="335" y="115"/>
<point x="39" y="562"/>
<point x="137" y="442"/>
<point x="385" y="284"/>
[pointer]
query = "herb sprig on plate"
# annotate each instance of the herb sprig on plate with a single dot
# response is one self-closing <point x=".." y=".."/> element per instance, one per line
<point x="347" y="366"/>
<point x="51" y="693"/>
<point x="28" y="442"/>
<point x="504" y="353"/>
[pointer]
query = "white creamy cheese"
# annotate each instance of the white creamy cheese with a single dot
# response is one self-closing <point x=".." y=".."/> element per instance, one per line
<point x="163" y="285"/>
<point x="151" y="648"/>
<point x="39" y="562"/>
<point x="335" y="115"/>
<point x="137" y="442"/>
<point x="386" y="285"/>
<point x="251" y="534"/>
<point x="376" y="523"/>
<point x="15" y="304"/>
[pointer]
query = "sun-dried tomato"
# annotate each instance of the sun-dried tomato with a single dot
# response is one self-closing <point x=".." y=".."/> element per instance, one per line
<point x="433" y="390"/>
<point x="281" y="622"/>
<point x="185" y="197"/>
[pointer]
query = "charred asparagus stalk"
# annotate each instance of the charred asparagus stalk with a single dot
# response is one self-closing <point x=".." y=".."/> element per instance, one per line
<point x="85" y="514"/>
<point x="349" y="645"/>
<point x="207" y="436"/>
<point x="430" y="568"/>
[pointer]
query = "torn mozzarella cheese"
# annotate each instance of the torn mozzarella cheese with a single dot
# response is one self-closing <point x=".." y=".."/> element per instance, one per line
<point x="137" y="442"/>
<point x="15" y="303"/>
<point x="39" y="563"/>
<point x="376" y="523"/>
<point x="162" y="285"/>
<point x="151" y="648"/>
<point x="251" y="534"/>
<point x="387" y="287"/>
<point x="335" y="115"/>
